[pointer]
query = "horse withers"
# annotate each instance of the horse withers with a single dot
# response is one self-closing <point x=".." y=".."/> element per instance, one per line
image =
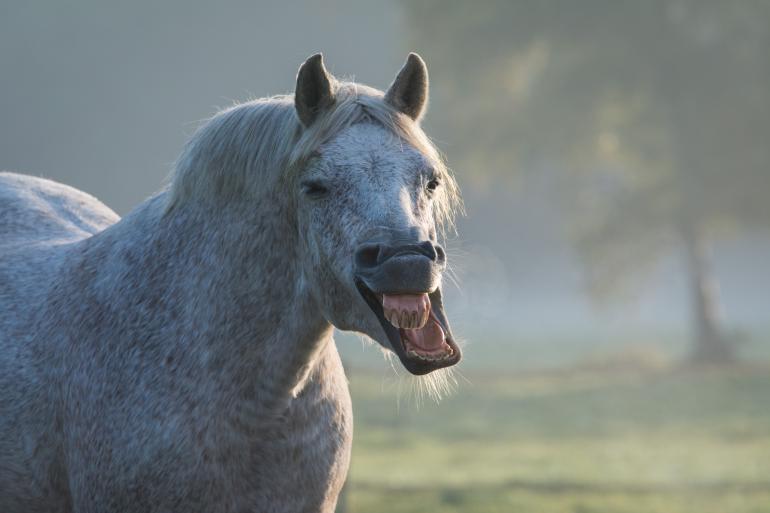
<point x="181" y="358"/>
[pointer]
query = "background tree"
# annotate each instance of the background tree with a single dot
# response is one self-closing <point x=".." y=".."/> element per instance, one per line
<point x="656" y="115"/>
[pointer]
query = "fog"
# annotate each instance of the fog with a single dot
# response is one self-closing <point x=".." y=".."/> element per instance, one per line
<point x="102" y="96"/>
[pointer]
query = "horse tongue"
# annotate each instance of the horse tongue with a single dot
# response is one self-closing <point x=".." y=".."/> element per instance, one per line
<point x="430" y="338"/>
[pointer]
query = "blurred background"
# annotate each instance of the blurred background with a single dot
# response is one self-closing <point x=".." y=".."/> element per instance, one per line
<point x="613" y="266"/>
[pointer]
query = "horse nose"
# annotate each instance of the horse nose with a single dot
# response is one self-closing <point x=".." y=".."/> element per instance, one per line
<point x="371" y="255"/>
<point x="433" y="251"/>
<point x="413" y="268"/>
<point x="368" y="256"/>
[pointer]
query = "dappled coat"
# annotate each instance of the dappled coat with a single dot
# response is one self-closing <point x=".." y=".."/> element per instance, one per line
<point x="181" y="358"/>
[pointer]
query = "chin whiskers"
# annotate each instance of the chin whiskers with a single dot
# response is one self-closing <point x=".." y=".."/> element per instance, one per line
<point x="417" y="389"/>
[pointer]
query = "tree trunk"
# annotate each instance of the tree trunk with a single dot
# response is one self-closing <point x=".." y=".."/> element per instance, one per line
<point x="709" y="342"/>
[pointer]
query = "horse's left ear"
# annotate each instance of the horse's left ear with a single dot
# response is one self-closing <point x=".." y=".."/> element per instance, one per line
<point x="409" y="91"/>
<point x="314" y="91"/>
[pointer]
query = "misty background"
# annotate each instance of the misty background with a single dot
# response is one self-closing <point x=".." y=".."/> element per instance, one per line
<point x="613" y="155"/>
<point x="102" y="96"/>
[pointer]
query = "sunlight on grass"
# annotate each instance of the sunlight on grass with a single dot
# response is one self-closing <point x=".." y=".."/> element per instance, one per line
<point x="578" y="441"/>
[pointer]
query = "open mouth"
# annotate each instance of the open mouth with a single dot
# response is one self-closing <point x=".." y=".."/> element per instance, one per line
<point x="416" y="327"/>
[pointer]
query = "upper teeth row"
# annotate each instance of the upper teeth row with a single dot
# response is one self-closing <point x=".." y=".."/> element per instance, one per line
<point x="406" y="319"/>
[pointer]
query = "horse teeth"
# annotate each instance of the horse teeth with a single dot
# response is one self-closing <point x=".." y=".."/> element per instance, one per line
<point x="428" y="357"/>
<point x="409" y="319"/>
<point x="392" y="317"/>
<point x="422" y="320"/>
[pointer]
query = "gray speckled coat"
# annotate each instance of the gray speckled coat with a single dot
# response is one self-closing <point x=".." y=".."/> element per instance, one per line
<point x="181" y="358"/>
<point x="98" y="412"/>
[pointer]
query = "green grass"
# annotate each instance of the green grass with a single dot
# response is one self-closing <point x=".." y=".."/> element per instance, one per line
<point x="616" y="441"/>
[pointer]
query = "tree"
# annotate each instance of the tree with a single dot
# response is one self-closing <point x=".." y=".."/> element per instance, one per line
<point x="656" y="113"/>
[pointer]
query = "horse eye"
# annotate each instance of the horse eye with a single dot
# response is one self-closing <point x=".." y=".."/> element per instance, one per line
<point x="314" y="189"/>
<point x="433" y="185"/>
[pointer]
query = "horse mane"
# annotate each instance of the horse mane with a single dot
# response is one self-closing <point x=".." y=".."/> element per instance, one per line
<point x="238" y="150"/>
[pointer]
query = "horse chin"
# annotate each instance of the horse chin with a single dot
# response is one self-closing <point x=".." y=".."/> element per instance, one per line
<point x="402" y="341"/>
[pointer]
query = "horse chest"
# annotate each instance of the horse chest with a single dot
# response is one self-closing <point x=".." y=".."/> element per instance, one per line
<point x="298" y="460"/>
<point x="302" y="458"/>
<point x="220" y="462"/>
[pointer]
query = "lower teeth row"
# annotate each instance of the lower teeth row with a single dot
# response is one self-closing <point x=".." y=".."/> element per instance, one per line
<point x="430" y="358"/>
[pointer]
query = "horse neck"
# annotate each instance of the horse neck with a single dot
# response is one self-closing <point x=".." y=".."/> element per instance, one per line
<point x="223" y="282"/>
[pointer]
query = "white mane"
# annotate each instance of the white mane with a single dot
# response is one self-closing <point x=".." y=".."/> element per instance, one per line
<point x="240" y="148"/>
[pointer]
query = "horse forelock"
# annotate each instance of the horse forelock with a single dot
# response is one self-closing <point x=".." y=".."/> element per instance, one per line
<point x="242" y="149"/>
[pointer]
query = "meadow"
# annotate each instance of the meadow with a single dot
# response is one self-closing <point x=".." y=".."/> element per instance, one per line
<point x="592" y="438"/>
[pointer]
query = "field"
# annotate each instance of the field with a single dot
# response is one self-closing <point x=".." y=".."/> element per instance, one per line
<point x="615" y="440"/>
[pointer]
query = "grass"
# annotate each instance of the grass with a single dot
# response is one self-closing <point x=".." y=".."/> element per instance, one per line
<point x="584" y="440"/>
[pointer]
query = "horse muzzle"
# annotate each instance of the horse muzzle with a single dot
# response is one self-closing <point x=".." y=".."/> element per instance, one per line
<point x="401" y="285"/>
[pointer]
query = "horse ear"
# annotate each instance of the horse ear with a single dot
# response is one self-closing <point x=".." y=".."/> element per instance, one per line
<point x="314" y="89"/>
<point x="409" y="91"/>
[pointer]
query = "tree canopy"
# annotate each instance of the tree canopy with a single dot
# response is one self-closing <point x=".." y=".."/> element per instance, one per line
<point x="658" y="112"/>
<point x="655" y="115"/>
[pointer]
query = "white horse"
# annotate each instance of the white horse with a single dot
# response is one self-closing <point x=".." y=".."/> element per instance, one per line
<point x="181" y="358"/>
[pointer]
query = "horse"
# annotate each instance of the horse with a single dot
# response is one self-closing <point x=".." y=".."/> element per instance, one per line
<point x="181" y="358"/>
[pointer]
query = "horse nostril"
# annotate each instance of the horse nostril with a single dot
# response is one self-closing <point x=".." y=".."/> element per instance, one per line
<point x="427" y="249"/>
<point x="371" y="255"/>
<point x="440" y="254"/>
<point x="368" y="255"/>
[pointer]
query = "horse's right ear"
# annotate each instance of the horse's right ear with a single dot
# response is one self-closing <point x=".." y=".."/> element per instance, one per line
<point x="409" y="91"/>
<point x="314" y="89"/>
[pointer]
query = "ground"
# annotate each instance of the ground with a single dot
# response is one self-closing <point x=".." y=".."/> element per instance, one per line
<point x="615" y="440"/>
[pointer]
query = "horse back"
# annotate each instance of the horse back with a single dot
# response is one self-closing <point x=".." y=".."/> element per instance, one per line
<point x="34" y="210"/>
